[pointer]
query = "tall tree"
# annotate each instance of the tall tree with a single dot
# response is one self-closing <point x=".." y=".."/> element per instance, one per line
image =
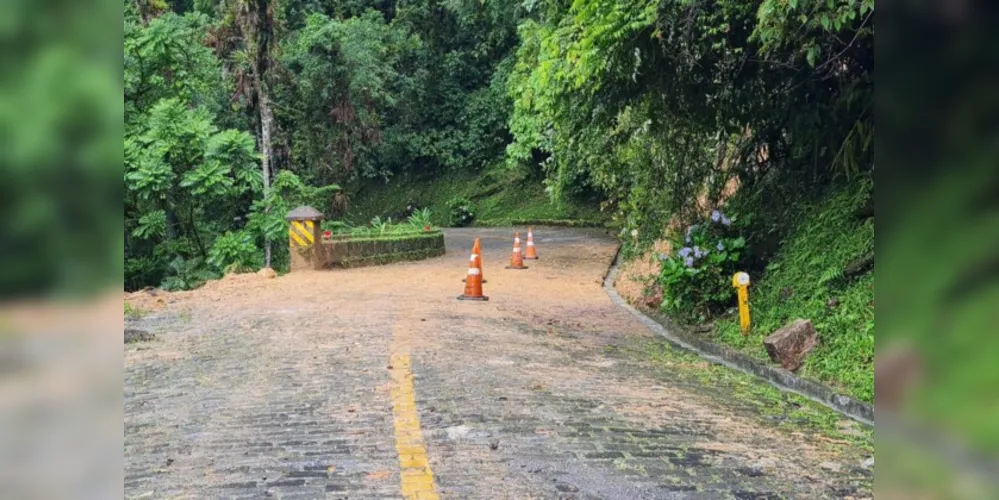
<point x="252" y="22"/>
<point x="186" y="180"/>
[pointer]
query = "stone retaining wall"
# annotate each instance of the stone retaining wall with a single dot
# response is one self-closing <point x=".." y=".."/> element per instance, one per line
<point x="374" y="251"/>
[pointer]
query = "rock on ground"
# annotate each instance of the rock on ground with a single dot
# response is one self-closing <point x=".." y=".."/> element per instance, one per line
<point x="791" y="344"/>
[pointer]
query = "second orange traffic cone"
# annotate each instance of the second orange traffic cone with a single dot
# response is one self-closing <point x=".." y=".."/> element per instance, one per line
<point x="516" y="258"/>
<point x="532" y="253"/>
<point x="473" y="281"/>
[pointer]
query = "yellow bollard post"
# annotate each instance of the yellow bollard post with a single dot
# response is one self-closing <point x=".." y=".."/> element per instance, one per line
<point x="741" y="282"/>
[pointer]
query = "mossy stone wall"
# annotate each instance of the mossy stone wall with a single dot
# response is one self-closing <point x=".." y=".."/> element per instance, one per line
<point x="375" y="251"/>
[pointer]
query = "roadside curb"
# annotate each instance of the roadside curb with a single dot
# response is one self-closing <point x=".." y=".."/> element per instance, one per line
<point x="778" y="377"/>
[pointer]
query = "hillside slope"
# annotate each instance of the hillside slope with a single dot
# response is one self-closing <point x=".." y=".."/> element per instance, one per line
<point x="499" y="197"/>
<point x="823" y="270"/>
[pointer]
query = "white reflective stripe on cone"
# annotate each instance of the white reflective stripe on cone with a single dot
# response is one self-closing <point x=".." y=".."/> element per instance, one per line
<point x="472" y="271"/>
<point x="474" y="256"/>
<point x="530" y="243"/>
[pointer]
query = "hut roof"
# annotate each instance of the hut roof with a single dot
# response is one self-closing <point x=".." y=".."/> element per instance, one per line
<point x="304" y="213"/>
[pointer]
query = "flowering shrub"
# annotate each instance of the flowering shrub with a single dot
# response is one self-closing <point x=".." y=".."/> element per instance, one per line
<point x="461" y="212"/>
<point x="697" y="278"/>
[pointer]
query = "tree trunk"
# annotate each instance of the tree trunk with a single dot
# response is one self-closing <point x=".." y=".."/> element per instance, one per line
<point x="171" y="220"/>
<point x="197" y="237"/>
<point x="255" y="21"/>
<point x="266" y="125"/>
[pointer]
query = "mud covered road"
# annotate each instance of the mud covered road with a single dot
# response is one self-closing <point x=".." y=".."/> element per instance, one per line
<point x="377" y="383"/>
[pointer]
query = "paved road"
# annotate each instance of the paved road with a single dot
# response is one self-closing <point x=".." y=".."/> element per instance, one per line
<point x="377" y="383"/>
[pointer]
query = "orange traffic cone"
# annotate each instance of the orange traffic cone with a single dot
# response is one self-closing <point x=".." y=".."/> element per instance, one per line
<point x="516" y="258"/>
<point x="532" y="253"/>
<point x="473" y="281"/>
<point x="477" y="255"/>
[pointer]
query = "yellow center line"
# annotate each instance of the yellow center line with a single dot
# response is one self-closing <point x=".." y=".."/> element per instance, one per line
<point x="415" y="475"/>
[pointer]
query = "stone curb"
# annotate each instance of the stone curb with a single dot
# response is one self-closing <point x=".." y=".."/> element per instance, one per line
<point x="778" y="377"/>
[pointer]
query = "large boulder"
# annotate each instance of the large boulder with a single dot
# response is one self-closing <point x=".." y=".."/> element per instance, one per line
<point x="790" y="345"/>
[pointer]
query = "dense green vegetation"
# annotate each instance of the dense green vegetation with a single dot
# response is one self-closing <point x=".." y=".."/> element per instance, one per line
<point x="497" y="197"/>
<point x="418" y="223"/>
<point x="656" y="103"/>
<point x="820" y="267"/>
<point x="822" y="272"/>
<point x="491" y="111"/>
<point x="236" y="110"/>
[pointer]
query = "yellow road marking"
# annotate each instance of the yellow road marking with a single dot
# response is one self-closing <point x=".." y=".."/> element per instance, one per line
<point x="415" y="475"/>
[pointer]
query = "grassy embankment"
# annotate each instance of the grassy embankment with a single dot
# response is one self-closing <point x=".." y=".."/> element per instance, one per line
<point x="500" y="197"/>
<point x="822" y="271"/>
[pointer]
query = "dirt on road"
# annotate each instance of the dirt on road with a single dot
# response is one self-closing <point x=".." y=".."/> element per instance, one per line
<point x="291" y="388"/>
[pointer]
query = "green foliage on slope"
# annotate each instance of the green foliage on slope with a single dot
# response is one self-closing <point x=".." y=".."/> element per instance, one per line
<point x="806" y="279"/>
<point x="498" y="196"/>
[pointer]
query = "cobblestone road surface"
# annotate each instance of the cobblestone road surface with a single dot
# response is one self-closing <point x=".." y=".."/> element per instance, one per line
<point x="296" y="388"/>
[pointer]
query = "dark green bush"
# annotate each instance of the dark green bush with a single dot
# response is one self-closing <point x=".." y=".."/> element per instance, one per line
<point x="461" y="212"/>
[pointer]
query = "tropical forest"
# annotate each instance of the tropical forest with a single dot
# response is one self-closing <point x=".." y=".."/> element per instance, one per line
<point x="707" y="137"/>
